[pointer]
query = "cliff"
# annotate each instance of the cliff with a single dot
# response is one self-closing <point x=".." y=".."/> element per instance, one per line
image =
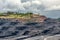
<point x="25" y="17"/>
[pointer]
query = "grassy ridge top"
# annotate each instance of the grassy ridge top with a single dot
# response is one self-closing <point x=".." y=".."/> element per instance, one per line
<point x="16" y="15"/>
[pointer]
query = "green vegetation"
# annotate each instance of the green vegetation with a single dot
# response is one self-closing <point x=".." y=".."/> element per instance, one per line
<point x="16" y="15"/>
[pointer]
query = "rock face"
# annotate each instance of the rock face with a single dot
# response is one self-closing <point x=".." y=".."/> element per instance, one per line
<point x="40" y="18"/>
<point x="12" y="27"/>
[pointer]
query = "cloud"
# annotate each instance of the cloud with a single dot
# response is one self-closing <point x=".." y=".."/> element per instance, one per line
<point x="11" y="5"/>
<point x="37" y="2"/>
<point x="6" y="5"/>
<point x="17" y="5"/>
<point x="32" y="5"/>
<point x="55" y="7"/>
<point x="51" y="4"/>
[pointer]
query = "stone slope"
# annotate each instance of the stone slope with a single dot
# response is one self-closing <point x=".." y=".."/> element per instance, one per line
<point x="12" y="27"/>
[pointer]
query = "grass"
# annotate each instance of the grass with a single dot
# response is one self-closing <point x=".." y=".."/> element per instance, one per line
<point x="16" y="15"/>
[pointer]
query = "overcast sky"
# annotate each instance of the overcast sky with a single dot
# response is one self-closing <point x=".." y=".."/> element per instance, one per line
<point x="50" y="8"/>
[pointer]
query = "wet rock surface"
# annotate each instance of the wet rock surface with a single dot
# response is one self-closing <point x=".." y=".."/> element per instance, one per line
<point x="11" y="27"/>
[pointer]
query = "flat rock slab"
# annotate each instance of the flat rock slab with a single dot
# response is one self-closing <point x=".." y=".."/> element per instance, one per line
<point x="53" y="38"/>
